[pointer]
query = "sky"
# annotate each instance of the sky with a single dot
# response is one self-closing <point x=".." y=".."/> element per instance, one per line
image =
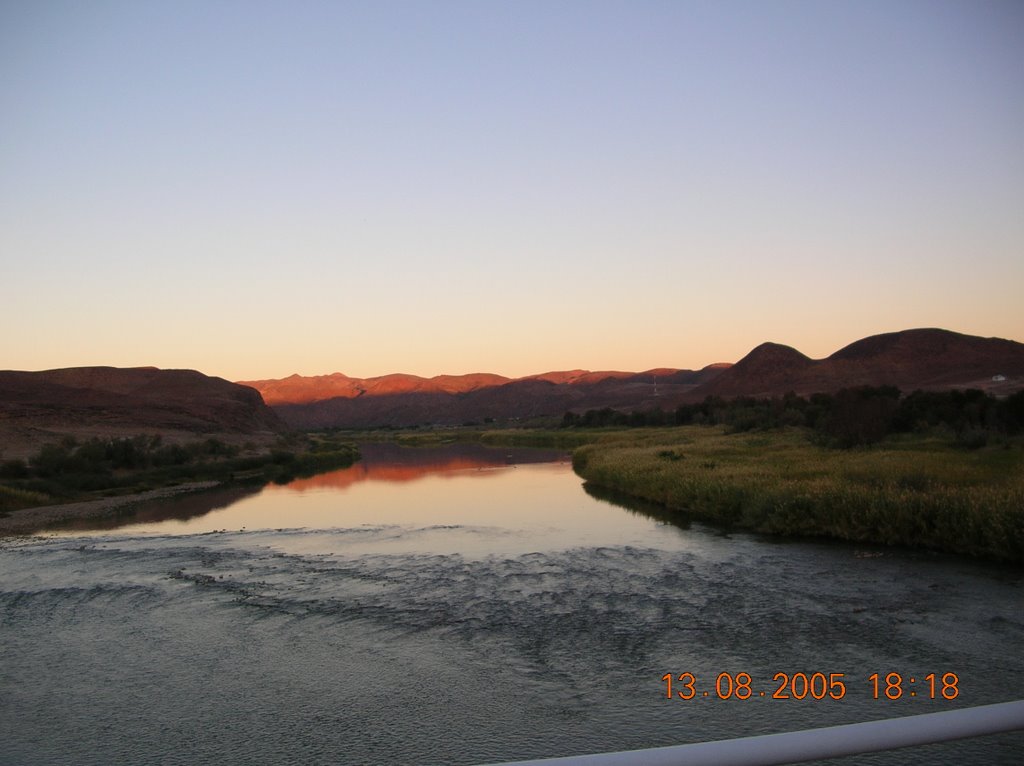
<point x="254" y="189"/>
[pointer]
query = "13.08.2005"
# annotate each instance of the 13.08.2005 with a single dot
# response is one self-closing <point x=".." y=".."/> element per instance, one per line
<point x="815" y="686"/>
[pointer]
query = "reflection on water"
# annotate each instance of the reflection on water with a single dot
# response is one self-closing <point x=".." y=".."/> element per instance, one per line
<point x="363" y="493"/>
<point x="391" y="462"/>
<point x="180" y="508"/>
<point x="461" y="498"/>
<point x="638" y="506"/>
<point x="477" y="607"/>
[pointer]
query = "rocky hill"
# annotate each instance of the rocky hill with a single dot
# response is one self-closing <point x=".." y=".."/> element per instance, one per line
<point x="40" y="407"/>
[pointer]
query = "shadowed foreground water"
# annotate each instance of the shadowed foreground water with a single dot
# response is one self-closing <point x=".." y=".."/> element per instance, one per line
<point x="457" y="606"/>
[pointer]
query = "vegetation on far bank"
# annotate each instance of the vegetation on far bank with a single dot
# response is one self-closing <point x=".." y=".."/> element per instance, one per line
<point x="847" y="418"/>
<point x="70" y="471"/>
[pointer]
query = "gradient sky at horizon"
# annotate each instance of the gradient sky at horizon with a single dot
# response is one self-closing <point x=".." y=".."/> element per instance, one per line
<point x="255" y="189"/>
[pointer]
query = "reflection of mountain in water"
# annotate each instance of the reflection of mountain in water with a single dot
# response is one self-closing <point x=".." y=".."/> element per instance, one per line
<point x="379" y="462"/>
<point x="394" y="463"/>
<point x="178" y="508"/>
<point x="638" y="506"/>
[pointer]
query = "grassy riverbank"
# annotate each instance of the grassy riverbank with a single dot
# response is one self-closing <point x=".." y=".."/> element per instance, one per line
<point x="74" y="472"/>
<point x="915" y="491"/>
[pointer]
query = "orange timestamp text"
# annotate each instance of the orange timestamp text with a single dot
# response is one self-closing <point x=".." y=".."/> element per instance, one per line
<point x="815" y="686"/>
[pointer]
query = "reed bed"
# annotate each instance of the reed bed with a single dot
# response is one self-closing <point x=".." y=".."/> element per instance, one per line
<point x="915" y="491"/>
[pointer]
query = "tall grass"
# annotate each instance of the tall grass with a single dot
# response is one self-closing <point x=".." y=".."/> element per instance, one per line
<point x="916" y="491"/>
<point x="12" y="498"/>
<point x="528" y="437"/>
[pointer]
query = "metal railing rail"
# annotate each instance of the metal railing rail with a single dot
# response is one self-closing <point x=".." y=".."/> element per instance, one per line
<point x="814" y="744"/>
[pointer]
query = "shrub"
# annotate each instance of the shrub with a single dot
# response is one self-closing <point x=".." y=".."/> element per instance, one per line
<point x="14" y="469"/>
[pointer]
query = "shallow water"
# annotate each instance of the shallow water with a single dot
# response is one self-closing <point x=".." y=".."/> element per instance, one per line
<point x="464" y="605"/>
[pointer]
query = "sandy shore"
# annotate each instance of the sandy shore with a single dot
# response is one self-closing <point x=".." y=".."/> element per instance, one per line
<point x="29" y="520"/>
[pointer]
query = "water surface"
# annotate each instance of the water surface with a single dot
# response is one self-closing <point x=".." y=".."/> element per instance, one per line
<point x="465" y="605"/>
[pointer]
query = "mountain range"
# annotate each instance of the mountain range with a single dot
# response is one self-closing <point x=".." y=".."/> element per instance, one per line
<point x="911" y="359"/>
<point x="182" y="405"/>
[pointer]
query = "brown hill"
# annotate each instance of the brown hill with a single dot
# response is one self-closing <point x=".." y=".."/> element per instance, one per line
<point x="912" y="359"/>
<point x="39" y="407"/>
<point x="765" y="369"/>
<point x="928" y="358"/>
<point x="579" y="376"/>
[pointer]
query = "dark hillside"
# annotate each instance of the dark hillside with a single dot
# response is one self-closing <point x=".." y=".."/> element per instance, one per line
<point x="36" y="407"/>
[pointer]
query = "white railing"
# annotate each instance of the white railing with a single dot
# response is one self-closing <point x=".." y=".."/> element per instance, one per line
<point x="814" y="744"/>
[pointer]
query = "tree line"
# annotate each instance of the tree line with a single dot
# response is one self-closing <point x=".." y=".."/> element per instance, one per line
<point x="69" y="467"/>
<point x="846" y="418"/>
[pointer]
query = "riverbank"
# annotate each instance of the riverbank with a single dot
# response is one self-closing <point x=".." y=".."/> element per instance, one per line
<point x="915" y="490"/>
<point x="70" y="481"/>
<point x="26" y="521"/>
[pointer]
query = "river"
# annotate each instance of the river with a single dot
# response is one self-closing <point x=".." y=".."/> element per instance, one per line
<point x="468" y="605"/>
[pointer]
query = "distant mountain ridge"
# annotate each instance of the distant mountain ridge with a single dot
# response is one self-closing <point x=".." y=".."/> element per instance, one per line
<point x="927" y="358"/>
<point x="40" y="407"/>
<point x="403" y="400"/>
<point x="298" y="389"/>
